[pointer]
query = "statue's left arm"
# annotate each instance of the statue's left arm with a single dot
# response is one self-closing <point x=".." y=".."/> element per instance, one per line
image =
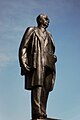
<point x="55" y="60"/>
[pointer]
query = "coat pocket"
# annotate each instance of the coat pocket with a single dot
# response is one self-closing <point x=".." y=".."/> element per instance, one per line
<point x="49" y="60"/>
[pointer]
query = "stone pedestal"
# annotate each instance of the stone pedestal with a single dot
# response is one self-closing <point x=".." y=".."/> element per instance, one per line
<point x="48" y="119"/>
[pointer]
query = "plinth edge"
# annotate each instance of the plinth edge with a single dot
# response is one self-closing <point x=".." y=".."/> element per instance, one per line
<point x="48" y="119"/>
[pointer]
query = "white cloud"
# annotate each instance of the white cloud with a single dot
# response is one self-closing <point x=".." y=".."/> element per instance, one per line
<point x="4" y="59"/>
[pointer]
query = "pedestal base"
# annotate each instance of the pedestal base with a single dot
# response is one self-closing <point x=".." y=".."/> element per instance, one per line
<point x="48" y="119"/>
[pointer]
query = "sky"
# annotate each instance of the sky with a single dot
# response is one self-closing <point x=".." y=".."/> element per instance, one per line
<point x="15" y="17"/>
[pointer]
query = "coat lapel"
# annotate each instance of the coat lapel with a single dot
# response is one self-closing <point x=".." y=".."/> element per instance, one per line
<point x="42" y="37"/>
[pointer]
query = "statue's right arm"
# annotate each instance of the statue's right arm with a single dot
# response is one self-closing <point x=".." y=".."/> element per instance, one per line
<point x="23" y="49"/>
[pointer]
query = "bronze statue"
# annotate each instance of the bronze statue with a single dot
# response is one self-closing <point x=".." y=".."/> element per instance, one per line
<point x="37" y="62"/>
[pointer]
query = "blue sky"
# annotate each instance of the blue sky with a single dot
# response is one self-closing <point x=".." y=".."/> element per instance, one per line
<point x="15" y="17"/>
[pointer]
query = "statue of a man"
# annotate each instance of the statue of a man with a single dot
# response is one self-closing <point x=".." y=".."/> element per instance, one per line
<point x="37" y="62"/>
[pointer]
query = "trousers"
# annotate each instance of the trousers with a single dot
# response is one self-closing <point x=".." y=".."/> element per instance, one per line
<point x="39" y="97"/>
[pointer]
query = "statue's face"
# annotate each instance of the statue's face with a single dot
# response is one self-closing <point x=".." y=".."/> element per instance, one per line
<point x="44" y="21"/>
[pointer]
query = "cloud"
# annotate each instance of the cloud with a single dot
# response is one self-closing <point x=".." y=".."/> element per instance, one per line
<point x="7" y="56"/>
<point x="4" y="59"/>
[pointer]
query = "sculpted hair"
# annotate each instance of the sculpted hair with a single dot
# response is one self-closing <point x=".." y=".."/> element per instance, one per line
<point x="39" y="18"/>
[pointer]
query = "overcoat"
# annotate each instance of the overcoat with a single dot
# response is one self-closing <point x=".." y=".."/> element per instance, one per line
<point x="33" y="48"/>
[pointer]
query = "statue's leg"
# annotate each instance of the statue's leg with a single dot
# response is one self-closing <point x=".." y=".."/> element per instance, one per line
<point x="39" y="101"/>
<point x="44" y="98"/>
<point x="36" y="102"/>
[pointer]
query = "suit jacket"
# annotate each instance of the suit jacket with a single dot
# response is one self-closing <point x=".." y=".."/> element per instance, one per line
<point x="32" y="50"/>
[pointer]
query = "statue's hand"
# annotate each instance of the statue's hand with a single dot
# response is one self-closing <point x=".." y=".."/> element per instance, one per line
<point x="55" y="57"/>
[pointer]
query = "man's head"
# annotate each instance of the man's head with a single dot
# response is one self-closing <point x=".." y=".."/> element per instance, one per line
<point x="42" y="20"/>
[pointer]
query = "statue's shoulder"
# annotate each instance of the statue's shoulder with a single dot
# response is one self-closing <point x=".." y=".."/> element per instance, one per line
<point x="49" y="33"/>
<point x="29" y="29"/>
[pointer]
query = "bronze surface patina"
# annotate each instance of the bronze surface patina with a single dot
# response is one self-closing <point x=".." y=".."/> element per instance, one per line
<point x="37" y="62"/>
